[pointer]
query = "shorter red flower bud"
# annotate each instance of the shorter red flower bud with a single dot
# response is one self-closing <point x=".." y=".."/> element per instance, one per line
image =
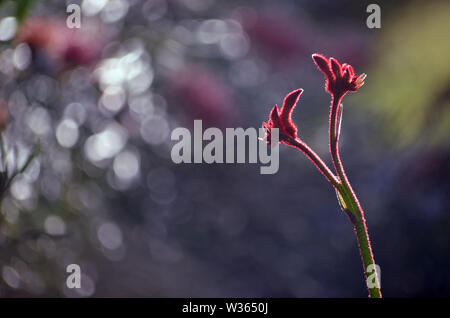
<point x="282" y="119"/>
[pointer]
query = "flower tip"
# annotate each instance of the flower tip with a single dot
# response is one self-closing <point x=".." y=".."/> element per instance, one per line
<point x="316" y="56"/>
<point x="361" y="78"/>
<point x="290" y="100"/>
<point x="296" y="92"/>
<point x="320" y="60"/>
<point x="336" y="67"/>
<point x="274" y="115"/>
<point x="323" y="64"/>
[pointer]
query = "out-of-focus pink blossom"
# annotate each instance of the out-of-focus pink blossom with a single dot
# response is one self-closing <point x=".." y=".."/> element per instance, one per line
<point x="3" y="115"/>
<point x="203" y="95"/>
<point x="70" y="47"/>
<point x="276" y="34"/>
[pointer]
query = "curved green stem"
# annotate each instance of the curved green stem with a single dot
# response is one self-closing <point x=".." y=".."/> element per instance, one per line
<point x="346" y="196"/>
<point x="356" y="215"/>
<point x="351" y="204"/>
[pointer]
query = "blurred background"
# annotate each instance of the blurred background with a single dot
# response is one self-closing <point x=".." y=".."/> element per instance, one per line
<point x="88" y="112"/>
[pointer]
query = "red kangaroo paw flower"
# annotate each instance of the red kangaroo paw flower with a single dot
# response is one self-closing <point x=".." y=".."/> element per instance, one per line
<point x="282" y="119"/>
<point x="341" y="79"/>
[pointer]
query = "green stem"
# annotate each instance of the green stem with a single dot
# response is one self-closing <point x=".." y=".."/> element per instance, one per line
<point x="351" y="204"/>
<point x="356" y="215"/>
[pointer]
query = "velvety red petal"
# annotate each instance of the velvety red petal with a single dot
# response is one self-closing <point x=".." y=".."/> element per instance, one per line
<point x="274" y="118"/>
<point x="289" y="103"/>
<point x="346" y="76"/>
<point x="323" y="64"/>
<point x="336" y="67"/>
<point x="351" y="70"/>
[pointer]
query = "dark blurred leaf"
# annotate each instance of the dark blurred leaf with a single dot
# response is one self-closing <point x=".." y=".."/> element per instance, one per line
<point x="22" y="9"/>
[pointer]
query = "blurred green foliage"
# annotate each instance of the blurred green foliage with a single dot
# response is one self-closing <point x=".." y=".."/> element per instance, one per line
<point x="22" y="8"/>
<point x="409" y="82"/>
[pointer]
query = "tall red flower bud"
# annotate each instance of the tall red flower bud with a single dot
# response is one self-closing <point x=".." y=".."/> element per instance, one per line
<point x="341" y="79"/>
<point x="203" y="95"/>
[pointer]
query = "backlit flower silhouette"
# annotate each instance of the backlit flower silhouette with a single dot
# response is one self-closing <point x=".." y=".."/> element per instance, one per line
<point x="340" y="79"/>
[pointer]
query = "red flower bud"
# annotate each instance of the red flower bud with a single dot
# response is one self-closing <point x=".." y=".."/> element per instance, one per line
<point x="341" y="79"/>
